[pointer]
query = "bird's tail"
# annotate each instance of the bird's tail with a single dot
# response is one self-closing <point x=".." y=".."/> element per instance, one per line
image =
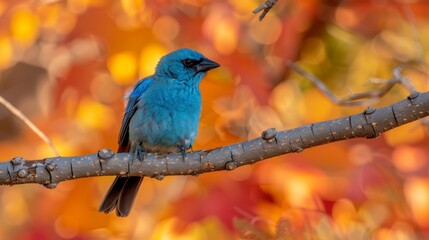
<point x="121" y="195"/>
<point x="122" y="192"/>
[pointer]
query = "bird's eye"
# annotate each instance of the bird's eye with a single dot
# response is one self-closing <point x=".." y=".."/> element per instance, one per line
<point x="189" y="62"/>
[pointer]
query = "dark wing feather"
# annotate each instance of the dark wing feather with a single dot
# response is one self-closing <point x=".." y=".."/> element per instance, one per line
<point x="133" y="98"/>
<point x="123" y="191"/>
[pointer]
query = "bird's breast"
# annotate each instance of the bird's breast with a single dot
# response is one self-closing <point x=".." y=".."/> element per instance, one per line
<point x="162" y="123"/>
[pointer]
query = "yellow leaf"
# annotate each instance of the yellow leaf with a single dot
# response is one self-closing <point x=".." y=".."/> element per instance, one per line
<point x="123" y="67"/>
<point x="24" y="26"/>
<point x="93" y="114"/>
<point x="149" y="57"/>
<point x="6" y="52"/>
<point x="416" y="191"/>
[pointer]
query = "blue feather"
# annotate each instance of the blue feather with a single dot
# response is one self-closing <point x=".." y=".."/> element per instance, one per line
<point x="139" y="89"/>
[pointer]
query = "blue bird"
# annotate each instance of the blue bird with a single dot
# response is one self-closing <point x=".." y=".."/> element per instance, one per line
<point x="162" y="116"/>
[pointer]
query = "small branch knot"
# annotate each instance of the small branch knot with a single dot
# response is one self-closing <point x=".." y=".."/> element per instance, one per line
<point x="296" y="149"/>
<point x="105" y="153"/>
<point x="50" y="167"/>
<point x="231" y="165"/>
<point x="369" y="110"/>
<point x="413" y="95"/>
<point x="208" y="165"/>
<point x="23" y="173"/>
<point x="17" y="161"/>
<point x="269" y="134"/>
<point x="50" y="185"/>
<point x="159" y="177"/>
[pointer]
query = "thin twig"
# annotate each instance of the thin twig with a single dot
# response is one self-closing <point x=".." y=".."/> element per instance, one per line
<point x="27" y="121"/>
<point x="266" y="6"/>
<point x="358" y="99"/>
<point x="402" y="80"/>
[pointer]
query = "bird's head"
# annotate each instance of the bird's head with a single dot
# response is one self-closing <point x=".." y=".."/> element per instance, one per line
<point x="184" y="65"/>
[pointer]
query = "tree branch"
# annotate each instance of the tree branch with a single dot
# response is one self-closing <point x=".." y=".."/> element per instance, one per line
<point x="369" y="124"/>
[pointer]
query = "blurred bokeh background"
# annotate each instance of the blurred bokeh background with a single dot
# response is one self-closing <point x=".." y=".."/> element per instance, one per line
<point x="66" y="65"/>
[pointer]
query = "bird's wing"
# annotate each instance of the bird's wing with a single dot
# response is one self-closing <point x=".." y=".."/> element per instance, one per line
<point x="133" y="98"/>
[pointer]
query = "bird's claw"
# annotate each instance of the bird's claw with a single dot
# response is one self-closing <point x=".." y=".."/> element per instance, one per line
<point x="184" y="155"/>
<point x="182" y="149"/>
<point x="140" y="153"/>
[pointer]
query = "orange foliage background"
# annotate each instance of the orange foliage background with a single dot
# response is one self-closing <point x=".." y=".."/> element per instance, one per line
<point x="67" y="64"/>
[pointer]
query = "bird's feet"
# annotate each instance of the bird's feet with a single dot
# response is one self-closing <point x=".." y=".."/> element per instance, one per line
<point x="140" y="153"/>
<point x="182" y="149"/>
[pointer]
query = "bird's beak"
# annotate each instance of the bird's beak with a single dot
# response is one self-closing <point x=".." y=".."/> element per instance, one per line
<point x="206" y="65"/>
